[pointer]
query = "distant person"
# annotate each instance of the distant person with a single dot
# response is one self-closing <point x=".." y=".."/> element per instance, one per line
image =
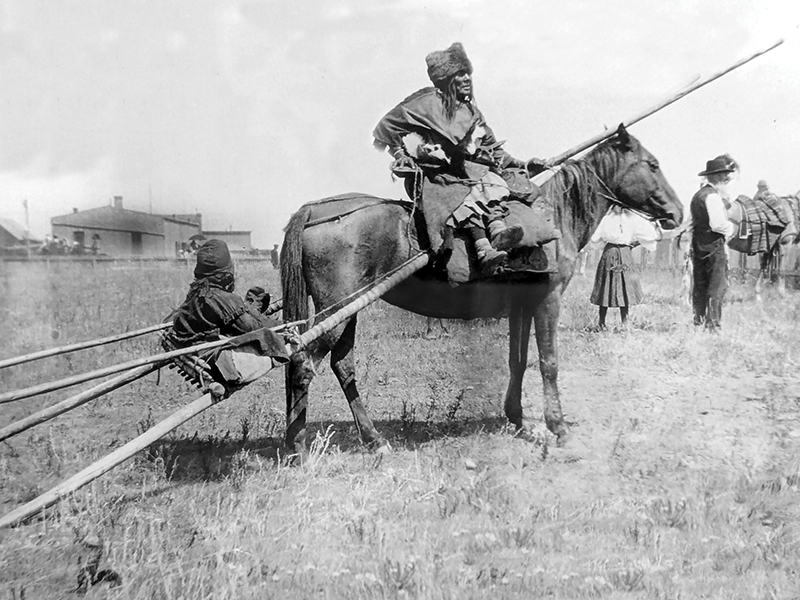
<point x="711" y="228"/>
<point x="616" y="282"/>
<point x="275" y="256"/>
<point x="763" y="190"/>
<point x="212" y="309"/>
<point x="95" y="248"/>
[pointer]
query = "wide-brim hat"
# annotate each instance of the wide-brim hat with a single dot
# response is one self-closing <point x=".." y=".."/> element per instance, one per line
<point x="443" y="64"/>
<point x="721" y="164"/>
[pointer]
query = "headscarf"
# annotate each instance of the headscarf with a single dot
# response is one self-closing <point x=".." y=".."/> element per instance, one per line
<point x="214" y="266"/>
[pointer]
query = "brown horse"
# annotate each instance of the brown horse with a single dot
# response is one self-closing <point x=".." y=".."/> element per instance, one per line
<point x="331" y="250"/>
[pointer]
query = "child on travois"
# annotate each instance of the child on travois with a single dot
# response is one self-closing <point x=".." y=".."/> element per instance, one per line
<point x="212" y="310"/>
<point x="616" y="283"/>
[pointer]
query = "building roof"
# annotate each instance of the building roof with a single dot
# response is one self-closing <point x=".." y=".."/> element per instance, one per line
<point x="111" y="218"/>
<point x="16" y="230"/>
<point x="226" y="232"/>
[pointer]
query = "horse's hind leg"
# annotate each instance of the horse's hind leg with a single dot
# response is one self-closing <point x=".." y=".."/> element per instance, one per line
<point x="299" y="373"/>
<point x="343" y="365"/>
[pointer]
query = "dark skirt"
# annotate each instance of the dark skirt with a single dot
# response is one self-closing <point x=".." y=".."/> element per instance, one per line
<point x="616" y="282"/>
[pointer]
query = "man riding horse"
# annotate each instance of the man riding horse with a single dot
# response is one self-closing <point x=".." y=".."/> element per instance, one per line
<point x="451" y="160"/>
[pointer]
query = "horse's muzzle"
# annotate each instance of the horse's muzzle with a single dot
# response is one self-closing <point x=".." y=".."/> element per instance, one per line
<point x="668" y="223"/>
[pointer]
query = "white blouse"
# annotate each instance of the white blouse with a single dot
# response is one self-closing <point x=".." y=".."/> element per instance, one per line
<point x="626" y="227"/>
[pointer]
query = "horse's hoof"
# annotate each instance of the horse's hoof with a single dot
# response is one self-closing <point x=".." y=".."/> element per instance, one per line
<point x="379" y="446"/>
<point x="384" y="448"/>
<point x="294" y="459"/>
<point x="563" y="439"/>
<point x="531" y="434"/>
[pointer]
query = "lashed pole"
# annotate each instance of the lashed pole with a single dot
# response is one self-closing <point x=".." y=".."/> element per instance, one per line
<point x="204" y="402"/>
<point x="25" y="358"/>
<point x="556" y="160"/>
<point x="44" y="388"/>
<point x="74" y="401"/>
<point x="18" y="360"/>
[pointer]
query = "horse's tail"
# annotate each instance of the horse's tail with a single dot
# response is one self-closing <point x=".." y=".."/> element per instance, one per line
<point x="293" y="282"/>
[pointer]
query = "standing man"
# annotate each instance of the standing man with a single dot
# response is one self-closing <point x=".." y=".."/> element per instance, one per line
<point x="710" y="229"/>
<point x="275" y="256"/>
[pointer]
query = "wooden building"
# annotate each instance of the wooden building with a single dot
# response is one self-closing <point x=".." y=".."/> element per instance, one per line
<point x="120" y="232"/>
<point x="238" y="241"/>
<point x="14" y="237"/>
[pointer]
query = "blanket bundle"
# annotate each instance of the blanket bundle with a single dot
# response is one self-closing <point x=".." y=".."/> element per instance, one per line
<point x="764" y="219"/>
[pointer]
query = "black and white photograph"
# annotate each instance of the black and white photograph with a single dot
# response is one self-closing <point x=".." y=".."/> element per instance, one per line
<point x="396" y="299"/>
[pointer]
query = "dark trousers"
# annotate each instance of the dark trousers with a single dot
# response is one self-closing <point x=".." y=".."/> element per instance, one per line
<point x="710" y="282"/>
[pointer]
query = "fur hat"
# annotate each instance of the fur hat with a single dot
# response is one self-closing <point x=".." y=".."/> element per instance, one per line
<point x="443" y="64"/>
<point x="721" y="164"/>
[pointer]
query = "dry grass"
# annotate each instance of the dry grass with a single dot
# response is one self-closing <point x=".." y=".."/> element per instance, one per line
<point x="683" y="481"/>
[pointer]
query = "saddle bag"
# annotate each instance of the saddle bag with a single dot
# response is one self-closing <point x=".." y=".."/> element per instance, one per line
<point x="743" y="238"/>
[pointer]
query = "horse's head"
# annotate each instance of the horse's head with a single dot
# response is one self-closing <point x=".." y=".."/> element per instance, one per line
<point x="639" y="183"/>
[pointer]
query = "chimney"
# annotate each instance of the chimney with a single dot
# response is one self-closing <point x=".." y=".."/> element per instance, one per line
<point x="117" y="201"/>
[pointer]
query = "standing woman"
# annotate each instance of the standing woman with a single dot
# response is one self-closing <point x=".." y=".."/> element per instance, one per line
<point x="616" y="283"/>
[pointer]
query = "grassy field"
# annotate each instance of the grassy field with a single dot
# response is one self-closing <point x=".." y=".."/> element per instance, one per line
<point x="682" y="481"/>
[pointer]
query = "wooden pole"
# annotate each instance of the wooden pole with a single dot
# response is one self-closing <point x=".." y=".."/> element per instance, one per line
<point x="81" y="345"/>
<point x="161" y="429"/>
<point x="408" y="268"/>
<point x="556" y="160"/>
<point x="52" y="386"/>
<point x="107" y="463"/>
<point x="74" y="401"/>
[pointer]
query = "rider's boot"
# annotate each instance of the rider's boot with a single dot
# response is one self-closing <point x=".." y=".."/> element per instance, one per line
<point x="489" y="257"/>
<point x="505" y="238"/>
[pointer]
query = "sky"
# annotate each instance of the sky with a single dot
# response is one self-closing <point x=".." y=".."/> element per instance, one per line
<point x="243" y="110"/>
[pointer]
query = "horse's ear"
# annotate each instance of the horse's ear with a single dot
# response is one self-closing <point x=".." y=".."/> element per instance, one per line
<point x="623" y="136"/>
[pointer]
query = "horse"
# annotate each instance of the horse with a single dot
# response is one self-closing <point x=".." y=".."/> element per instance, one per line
<point x="330" y="253"/>
<point x="770" y="253"/>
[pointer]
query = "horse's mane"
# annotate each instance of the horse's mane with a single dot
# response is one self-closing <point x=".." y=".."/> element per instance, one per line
<point x="577" y="190"/>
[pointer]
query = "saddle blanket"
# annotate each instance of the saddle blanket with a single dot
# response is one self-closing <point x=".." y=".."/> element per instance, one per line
<point x="763" y="222"/>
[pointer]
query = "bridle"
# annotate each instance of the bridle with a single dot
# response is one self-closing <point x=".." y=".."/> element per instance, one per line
<point x="613" y="198"/>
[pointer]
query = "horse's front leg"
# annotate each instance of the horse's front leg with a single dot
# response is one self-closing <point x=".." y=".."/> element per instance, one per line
<point x="545" y="317"/>
<point x="343" y="365"/>
<point x="519" y="333"/>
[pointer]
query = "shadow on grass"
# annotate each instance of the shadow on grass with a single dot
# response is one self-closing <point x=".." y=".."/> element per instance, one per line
<point x="219" y="458"/>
